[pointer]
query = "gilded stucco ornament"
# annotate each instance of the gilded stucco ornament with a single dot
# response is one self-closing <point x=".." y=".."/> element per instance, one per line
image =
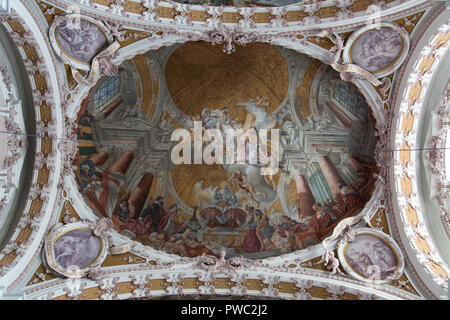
<point x="435" y="156"/>
<point x="146" y="293"/>
<point x="410" y="215"/>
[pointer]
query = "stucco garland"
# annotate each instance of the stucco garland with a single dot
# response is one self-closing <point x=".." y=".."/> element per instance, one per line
<point x="27" y="238"/>
<point x="206" y="273"/>
<point x="212" y="17"/>
<point x="408" y="201"/>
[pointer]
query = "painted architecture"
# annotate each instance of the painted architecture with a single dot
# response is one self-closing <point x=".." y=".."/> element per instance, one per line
<point x="355" y="95"/>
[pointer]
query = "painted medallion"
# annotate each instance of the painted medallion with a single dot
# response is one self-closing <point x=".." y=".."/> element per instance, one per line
<point x="78" y="40"/>
<point x="77" y="248"/>
<point x="372" y="256"/>
<point x="379" y="50"/>
<point x="71" y="250"/>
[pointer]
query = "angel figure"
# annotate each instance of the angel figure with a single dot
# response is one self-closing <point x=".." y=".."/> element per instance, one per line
<point x="258" y="107"/>
<point x="239" y="179"/>
<point x="116" y="30"/>
<point x="202" y="193"/>
<point x="331" y="262"/>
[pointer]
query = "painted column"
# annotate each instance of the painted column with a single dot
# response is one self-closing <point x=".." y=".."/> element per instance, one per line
<point x="139" y="195"/>
<point x="346" y="121"/>
<point x="121" y="165"/>
<point x="348" y="175"/>
<point x="99" y="158"/>
<point x="331" y="174"/>
<point x="112" y="106"/>
<point x="305" y="196"/>
<point x="354" y="163"/>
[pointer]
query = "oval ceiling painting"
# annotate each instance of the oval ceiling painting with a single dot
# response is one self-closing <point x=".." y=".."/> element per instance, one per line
<point x="372" y="256"/>
<point x="73" y="249"/>
<point x="379" y="50"/>
<point x="77" y="247"/>
<point x="190" y="150"/>
<point x="78" y="40"/>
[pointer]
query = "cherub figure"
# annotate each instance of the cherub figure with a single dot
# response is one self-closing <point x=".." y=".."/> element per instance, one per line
<point x="332" y="263"/>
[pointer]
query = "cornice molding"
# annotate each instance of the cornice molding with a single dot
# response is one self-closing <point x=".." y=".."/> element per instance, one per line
<point x="408" y="220"/>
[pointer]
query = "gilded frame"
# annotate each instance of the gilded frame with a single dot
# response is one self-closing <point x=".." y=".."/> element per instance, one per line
<point x="49" y="255"/>
<point x="60" y="52"/>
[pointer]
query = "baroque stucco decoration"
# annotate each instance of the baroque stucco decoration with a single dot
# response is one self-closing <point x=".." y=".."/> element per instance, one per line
<point x="159" y="274"/>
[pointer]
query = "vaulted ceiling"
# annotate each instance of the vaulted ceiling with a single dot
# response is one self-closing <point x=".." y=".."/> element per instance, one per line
<point x="92" y="91"/>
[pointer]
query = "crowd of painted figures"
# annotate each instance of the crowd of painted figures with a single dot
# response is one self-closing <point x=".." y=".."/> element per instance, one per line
<point x="225" y="222"/>
<point x="165" y="228"/>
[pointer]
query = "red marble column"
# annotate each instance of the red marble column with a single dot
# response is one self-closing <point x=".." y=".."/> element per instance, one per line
<point x="121" y="165"/>
<point x="346" y="121"/>
<point x="112" y="106"/>
<point x="139" y="195"/>
<point x="99" y="158"/>
<point x="331" y="174"/>
<point x="305" y="196"/>
<point x="354" y="163"/>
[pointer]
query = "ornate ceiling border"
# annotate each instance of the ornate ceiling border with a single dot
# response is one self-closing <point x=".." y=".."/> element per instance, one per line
<point x="209" y="275"/>
<point x="408" y="218"/>
<point x="306" y="16"/>
<point x="63" y="152"/>
<point x="27" y="32"/>
<point x="285" y="39"/>
<point x="440" y="123"/>
<point x="14" y="146"/>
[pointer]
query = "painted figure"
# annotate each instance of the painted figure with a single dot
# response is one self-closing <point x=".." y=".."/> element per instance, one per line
<point x="251" y="241"/>
<point x="80" y="39"/>
<point x="156" y="212"/>
<point x="377" y="49"/>
<point x="371" y="257"/>
<point x="76" y="249"/>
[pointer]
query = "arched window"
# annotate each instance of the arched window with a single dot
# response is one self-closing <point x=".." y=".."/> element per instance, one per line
<point x="107" y="90"/>
<point x="350" y="98"/>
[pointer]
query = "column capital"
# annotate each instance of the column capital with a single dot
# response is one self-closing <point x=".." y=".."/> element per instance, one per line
<point x="298" y="169"/>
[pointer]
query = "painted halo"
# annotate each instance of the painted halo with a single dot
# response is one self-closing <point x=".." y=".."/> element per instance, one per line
<point x="78" y="39"/>
<point x="380" y="50"/>
<point x="372" y="256"/>
<point x="72" y="250"/>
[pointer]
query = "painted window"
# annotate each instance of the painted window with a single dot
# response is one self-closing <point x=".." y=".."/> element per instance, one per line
<point x="107" y="90"/>
<point x="350" y="98"/>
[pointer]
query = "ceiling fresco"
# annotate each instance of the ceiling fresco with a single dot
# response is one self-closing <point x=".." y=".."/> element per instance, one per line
<point x="125" y="172"/>
<point x="134" y="160"/>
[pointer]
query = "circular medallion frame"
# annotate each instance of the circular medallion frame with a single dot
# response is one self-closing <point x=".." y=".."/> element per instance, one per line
<point x="58" y="232"/>
<point x="396" y="62"/>
<point x="384" y="243"/>
<point x="62" y="52"/>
